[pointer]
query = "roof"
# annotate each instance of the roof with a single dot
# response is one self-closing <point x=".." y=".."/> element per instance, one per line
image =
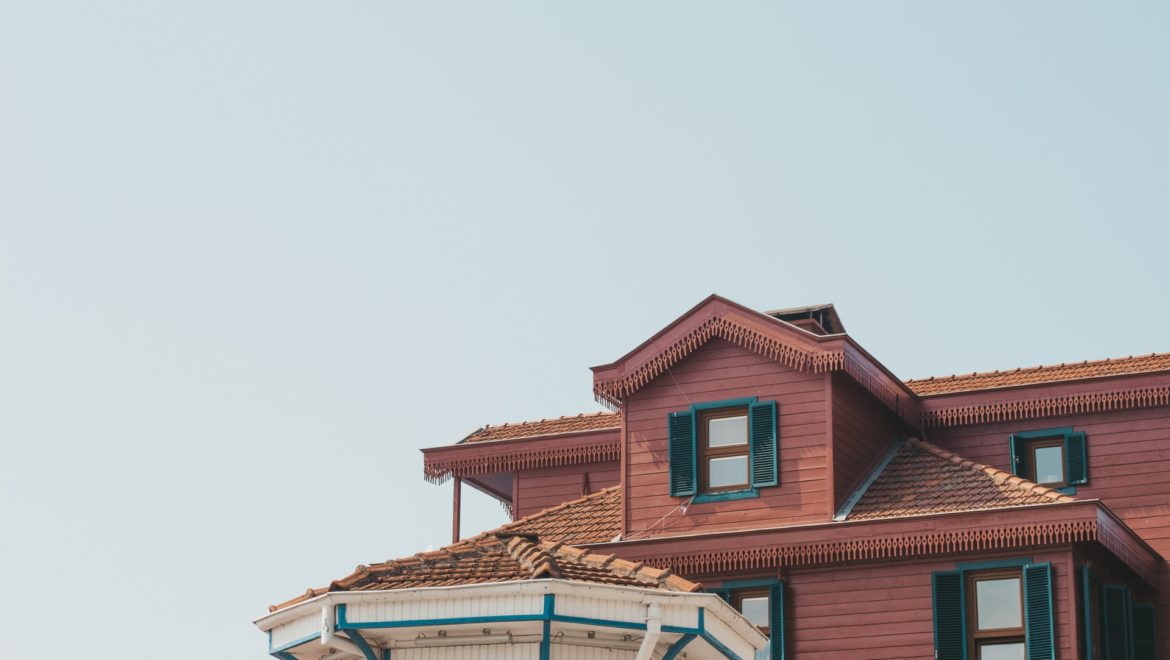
<point x="574" y="424"/>
<point x="1043" y="374"/>
<point x="594" y="518"/>
<point x="921" y="479"/>
<point x="500" y="557"/>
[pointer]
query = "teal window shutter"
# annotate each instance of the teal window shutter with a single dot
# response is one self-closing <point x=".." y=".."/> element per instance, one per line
<point x="1087" y="611"/>
<point x="1115" y="628"/>
<point x="1145" y="631"/>
<point x="950" y="621"/>
<point x="763" y="445"/>
<point x="1019" y="449"/>
<point x="1039" y="628"/>
<point x="776" y="619"/>
<point x="684" y="476"/>
<point x="1077" y="458"/>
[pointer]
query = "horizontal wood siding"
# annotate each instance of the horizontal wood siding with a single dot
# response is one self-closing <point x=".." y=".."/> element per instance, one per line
<point x="862" y="431"/>
<point x="721" y="370"/>
<point x="872" y="612"/>
<point x="1129" y="460"/>
<point x="547" y="487"/>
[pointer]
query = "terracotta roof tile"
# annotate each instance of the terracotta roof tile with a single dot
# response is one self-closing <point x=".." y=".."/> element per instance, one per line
<point x="498" y="557"/>
<point x="595" y="518"/>
<point x="1043" y="374"/>
<point x="922" y="479"/>
<point x="574" y="424"/>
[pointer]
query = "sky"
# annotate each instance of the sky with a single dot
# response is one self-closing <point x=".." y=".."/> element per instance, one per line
<point x="254" y="255"/>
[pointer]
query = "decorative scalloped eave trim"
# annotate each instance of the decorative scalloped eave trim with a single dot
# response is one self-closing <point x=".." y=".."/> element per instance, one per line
<point x="1073" y="404"/>
<point x="438" y="472"/>
<point x="901" y="547"/>
<point x="610" y="393"/>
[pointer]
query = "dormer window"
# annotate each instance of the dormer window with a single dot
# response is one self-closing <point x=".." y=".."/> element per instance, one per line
<point x="723" y="449"/>
<point x="1056" y="458"/>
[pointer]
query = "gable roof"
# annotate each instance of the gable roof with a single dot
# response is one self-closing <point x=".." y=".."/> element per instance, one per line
<point x="567" y="424"/>
<point x="922" y="478"/>
<point x="1053" y="373"/>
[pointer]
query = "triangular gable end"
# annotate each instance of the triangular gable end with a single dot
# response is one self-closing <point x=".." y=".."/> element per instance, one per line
<point x="771" y="337"/>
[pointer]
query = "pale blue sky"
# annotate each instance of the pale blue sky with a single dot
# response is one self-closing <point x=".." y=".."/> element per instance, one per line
<point x="254" y="254"/>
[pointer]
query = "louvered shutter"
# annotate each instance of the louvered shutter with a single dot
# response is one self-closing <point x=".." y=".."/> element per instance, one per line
<point x="683" y="468"/>
<point x="1116" y="625"/>
<point x="776" y="619"/>
<point x="763" y="447"/>
<point x="1019" y="448"/>
<point x="1078" y="460"/>
<point x="950" y="634"/>
<point x="1041" y="640"/>
<point x="1144" y="633"/>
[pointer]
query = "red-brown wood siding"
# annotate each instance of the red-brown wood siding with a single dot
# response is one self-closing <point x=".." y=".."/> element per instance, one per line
<point x="1129" y="458"/>
<point x="542" y="488"/>
<point x="721" y="370"/>
<point x="862" y="431"/>
<point x="872" y="612"/>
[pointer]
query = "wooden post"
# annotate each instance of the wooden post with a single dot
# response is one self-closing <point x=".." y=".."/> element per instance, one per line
<point x="455" y="513"/>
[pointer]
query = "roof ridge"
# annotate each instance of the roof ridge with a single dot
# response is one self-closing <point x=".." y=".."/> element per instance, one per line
<point x="662" y="577"/>
<point x="1036" y="368"/>
<point x="999" y="475"/>
<point x="536" y="558"/>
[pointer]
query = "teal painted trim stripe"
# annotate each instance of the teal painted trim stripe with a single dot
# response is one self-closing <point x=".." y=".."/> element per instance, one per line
<point x="994" y="563"/>
<point x="847" y="507"/>
<point x="746" y="584"/>
<point x="385" y="654"/>
<point x="283" y="655"/>
<point x="293" y="644"/>
<point x="440" y="622"/>
<point x="725" y="403"/>
<point x="678" y="646"/>
<point x="727" y="496"/>
<point x="362" y="644"/>
<point x="1044" y="433"/>
<point x="550" y="608"/>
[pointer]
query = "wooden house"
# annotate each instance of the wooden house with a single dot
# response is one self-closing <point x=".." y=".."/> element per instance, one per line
<point x="848" y="513"/>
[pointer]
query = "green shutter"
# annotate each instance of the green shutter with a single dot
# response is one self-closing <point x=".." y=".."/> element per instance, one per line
<point x="776" y="619"/>
<point x="762" y="431"/>
<point x="1087" y="611"/>
<point x="1115" y="629"/>
<point x="1019" y="449"/>
<point x="950" y="634"/>
<point x="1078" y="461"/>
<point x="683" y="469"/>
<point x="1144" y="633"/>
<point x="1039" y="629"/>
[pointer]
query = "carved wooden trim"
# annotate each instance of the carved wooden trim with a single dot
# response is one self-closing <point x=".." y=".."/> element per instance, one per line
<point x="1072" y="404"/>
<point x="910" y="546"/>
<point x="440" y="470"/>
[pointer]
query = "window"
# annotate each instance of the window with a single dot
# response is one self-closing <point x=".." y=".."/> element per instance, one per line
<point x="981" y="611"/>
<point x="1051" y="457"/>
<point x="762" y="603"/>
<point x="723" y="449"/>
<point x="755" y="605"/>
<point x="995" y="615"/>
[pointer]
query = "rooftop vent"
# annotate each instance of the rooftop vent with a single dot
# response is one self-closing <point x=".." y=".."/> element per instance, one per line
<point x="817" y="319"/>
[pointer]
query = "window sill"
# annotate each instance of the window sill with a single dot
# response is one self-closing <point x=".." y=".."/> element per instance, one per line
<point x="1067" y="490"/>
<point x="727" y="496"/>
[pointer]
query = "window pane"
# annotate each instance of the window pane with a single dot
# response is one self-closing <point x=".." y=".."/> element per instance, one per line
<point x="727" y="471"/>
<point x="1049" y="465"/>
<point x="998" y="604"/>
<point x="755" y="609"/>
<point x="1002" y="651"/>
<point x="727" y="431"/>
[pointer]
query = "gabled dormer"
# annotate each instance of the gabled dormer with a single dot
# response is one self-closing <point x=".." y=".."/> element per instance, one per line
<point x="736" y="419"/>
